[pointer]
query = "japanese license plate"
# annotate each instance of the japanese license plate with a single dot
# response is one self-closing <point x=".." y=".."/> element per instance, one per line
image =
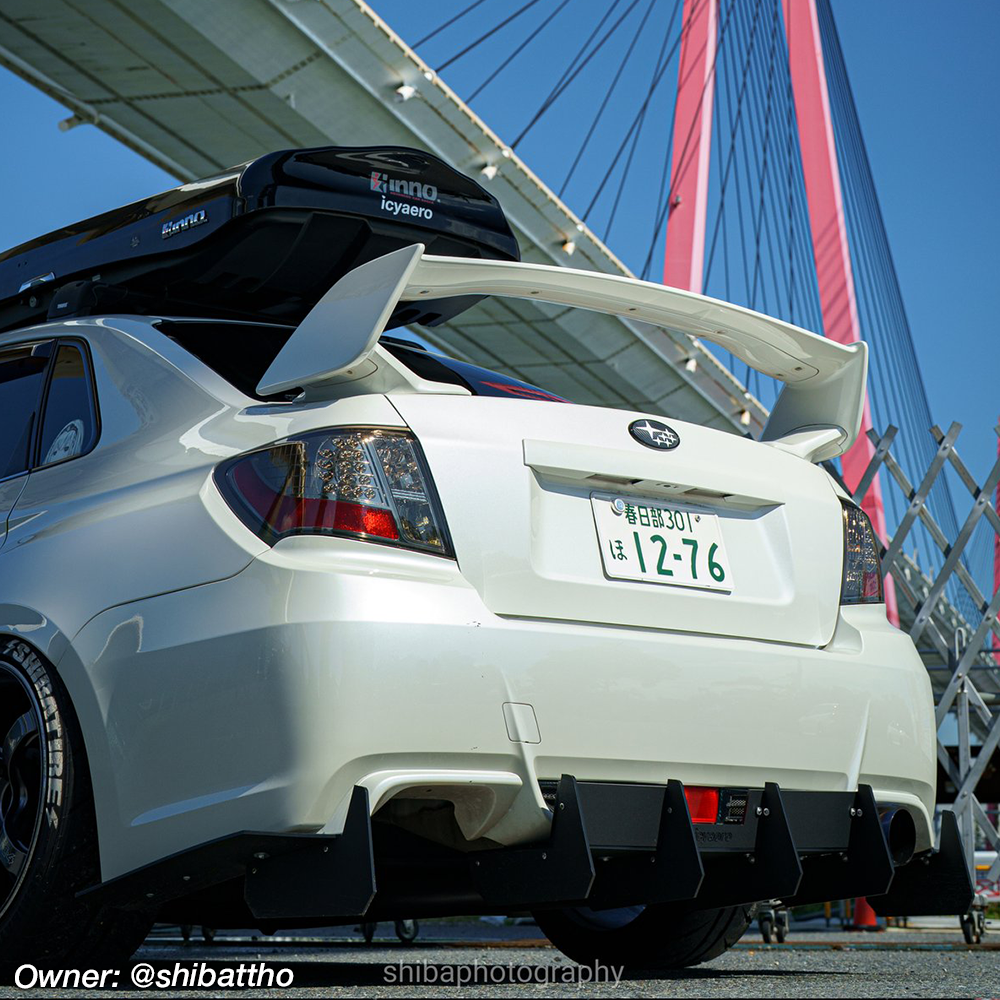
<point x="658" y="542"/>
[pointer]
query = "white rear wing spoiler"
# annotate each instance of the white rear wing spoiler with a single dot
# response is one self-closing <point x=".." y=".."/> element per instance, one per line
<point x="819" y="408"/>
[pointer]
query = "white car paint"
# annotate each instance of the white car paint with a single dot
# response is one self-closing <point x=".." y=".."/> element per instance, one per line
<point x="223" y="684"/>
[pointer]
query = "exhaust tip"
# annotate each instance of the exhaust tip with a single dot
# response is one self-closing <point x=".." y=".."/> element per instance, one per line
<point x="900" y="835"/>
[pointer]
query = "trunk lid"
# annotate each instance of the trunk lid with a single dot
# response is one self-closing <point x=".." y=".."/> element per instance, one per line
<point x="518" y="478"/>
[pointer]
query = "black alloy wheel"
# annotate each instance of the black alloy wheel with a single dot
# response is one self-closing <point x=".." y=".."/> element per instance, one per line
<point x="48" y="830"/>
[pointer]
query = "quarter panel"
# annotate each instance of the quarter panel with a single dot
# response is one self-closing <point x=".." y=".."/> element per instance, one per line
<point x="139" y="516"/>
<point x="133" y="517"/>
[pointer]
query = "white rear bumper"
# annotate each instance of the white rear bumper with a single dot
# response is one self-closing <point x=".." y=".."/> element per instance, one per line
<point x="330" y="663"/>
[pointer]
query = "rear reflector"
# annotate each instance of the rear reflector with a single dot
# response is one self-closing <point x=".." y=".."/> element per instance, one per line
<point x="703" y="803"/>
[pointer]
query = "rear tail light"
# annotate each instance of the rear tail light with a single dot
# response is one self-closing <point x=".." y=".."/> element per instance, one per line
<point x="361" y="483"/>
<point x="862" y="581"/>
<point x="703" y="803"/>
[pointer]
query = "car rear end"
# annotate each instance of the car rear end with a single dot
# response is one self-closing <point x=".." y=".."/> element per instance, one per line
<point x="465" y="647"/>
<point x="502" y="611"/>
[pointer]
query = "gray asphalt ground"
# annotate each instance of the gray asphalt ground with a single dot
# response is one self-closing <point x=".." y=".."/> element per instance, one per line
<point x="514" y="961"/>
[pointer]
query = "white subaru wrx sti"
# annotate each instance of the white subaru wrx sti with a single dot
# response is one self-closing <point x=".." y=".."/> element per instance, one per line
<point x="300" y="624"/>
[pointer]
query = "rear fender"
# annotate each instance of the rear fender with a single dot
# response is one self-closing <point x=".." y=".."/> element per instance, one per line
<point x="51" y="643"/>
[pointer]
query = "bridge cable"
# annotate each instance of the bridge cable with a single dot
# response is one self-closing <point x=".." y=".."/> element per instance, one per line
<point x="448" y="23"/>
<point x="515" y="53"/>
<point x="760" y="222"/>
<point x="640" y="114"/>
<point x="682" y="163"/>
<point x="560" y="88"/>
<point x="607" y="98"/>
<point x="768" y="225"/>
<point x="895" y="332"/>
<point x="489" y="34"/>
<point x="657" y="73"/>
<point x="896" y="329"/>
<point x="734" y="128"/>
<point x="764" y="166"/>
<point x="657" y="234"/>
<point x="583" y="49"/>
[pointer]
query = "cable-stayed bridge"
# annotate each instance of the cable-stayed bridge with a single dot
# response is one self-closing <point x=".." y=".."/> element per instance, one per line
<point x="713" y="144"/>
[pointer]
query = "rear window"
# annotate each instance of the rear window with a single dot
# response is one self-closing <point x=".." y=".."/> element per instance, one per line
<point x="242" y="352"/>
<point x="479" y="381"/>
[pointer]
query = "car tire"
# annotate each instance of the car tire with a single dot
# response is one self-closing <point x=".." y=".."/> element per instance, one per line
<point x="662" y="937"/>
<point x="48" y="830"/>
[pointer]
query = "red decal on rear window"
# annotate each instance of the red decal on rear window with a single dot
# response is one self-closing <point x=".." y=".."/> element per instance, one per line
<point x="523" y="390"/>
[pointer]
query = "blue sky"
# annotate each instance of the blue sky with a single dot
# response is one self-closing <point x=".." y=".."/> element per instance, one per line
<point x="926" y="82"/>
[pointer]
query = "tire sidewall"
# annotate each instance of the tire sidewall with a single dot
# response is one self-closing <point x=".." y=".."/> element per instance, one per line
<point x="56" y="783"/>
<point x="662" y="936"/>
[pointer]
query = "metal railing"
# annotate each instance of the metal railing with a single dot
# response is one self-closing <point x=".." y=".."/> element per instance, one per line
<point x="939" y="630"/>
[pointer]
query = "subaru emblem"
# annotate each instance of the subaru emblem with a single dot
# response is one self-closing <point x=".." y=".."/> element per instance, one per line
<point x="654" y="434"/>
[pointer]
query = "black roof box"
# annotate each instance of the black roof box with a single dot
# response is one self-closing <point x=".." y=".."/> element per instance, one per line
<point x="262" y="241"/>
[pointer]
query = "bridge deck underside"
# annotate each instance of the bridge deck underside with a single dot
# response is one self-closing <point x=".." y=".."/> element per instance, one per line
<point x="198" y="87"/>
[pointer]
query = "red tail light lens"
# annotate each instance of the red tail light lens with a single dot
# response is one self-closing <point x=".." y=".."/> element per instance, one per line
<point x="365" y="483"/>
<point x="703" y="803"/>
